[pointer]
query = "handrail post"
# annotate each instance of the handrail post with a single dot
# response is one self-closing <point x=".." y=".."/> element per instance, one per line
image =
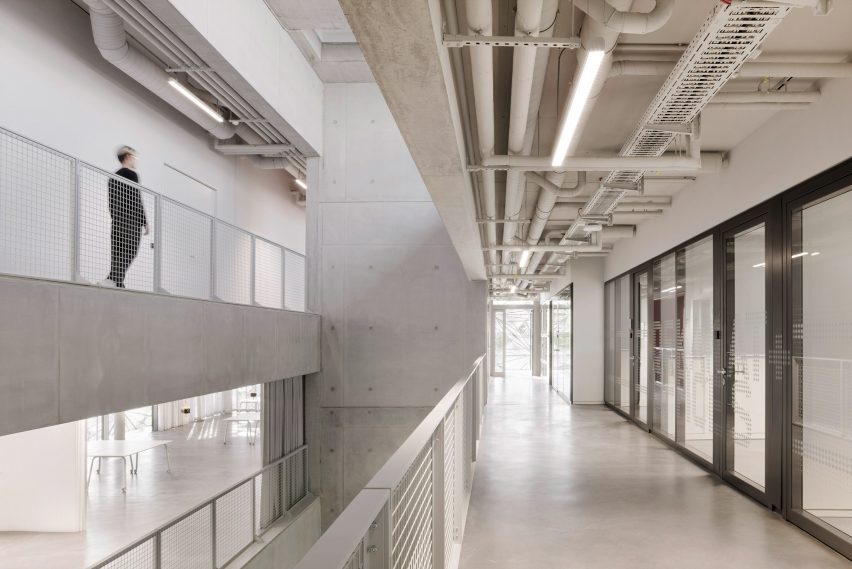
<point x="158" y="550"/>
<point x="75" y="237"/>
<point x="438" y="515"/>
<point x="283" y="277"/>
<point x="158" y="243"/>
<point x="213" y="532"/>
<point x="213" y="258"/>
<point x="254" y="525"/>
<point x="252" y="272"/>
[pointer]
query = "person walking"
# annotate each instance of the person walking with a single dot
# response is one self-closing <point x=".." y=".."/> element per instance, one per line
<point x="128" y="218"/>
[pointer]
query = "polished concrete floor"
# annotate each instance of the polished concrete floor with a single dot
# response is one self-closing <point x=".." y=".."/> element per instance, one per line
<point x="579" y="487"/>
<point x="201" y="467"/>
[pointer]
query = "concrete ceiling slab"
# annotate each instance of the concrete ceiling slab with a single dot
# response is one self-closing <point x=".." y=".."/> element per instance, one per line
<point x="401" y="43"/>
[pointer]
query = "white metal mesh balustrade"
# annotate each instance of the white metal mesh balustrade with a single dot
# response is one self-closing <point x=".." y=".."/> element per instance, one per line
<point x="63" y="219"/>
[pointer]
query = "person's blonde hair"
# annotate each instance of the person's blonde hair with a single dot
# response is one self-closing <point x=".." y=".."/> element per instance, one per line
<point x="123" y="152"/>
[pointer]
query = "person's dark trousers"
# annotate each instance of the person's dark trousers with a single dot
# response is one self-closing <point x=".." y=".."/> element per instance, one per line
<point x="124" y="247"/>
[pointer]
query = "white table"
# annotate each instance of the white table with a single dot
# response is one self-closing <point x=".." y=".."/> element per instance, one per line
<point x="251" y="419"/>
<point x="123" y="450"/>
<point x="249" y="405"/>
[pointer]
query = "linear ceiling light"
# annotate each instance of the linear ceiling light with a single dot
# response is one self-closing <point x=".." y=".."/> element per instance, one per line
<point x="195" y="100"/>
<point x="301" y="183"/>
<point x="568" y="131"/>
<point x="525" y="258"/>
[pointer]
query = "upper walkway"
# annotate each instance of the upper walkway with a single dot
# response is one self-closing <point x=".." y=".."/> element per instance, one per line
<point x="578" y="486"/>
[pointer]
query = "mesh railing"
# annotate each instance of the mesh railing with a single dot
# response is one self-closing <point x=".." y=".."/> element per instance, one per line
<point x="215" y="532"/>
<point x="65" y="220"/>
<point x="411" y="514"/>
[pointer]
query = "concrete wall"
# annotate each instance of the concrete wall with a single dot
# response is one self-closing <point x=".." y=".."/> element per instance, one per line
<point x="588" y="305"/>
<point x="63" y="94"/>
<point x="69" y="352"/>
<point x="401" y="322"/>
<point x="786" y="150"/>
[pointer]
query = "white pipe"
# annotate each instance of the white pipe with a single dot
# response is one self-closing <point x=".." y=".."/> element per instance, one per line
<point x="111" y="40"/>
<point x="528" y="74"/>
<point x="627" y="22"/>
<point x="479" y="22"/>
<point x="595" y="163"/>
<point x="767" y="97"/>
<point x="758" y="106"/>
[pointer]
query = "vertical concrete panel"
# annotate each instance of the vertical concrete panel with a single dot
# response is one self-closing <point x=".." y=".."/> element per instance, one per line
<point x="331" y="468"/>
<point x="261" y="342"/>
<point x="29" y="355"/>
<point x="225" y="346"/>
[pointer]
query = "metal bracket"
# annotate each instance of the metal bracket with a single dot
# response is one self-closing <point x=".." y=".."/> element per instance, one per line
<point x="672" y="127"/>
<point x="450" y="40"/>
<point x="634" y="188"/>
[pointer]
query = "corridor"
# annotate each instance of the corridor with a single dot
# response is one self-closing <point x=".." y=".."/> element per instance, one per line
<point x="580" y="487"/>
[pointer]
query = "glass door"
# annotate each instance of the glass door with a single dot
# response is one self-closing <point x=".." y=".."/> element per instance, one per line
<point x="561" y="358"/>
<point x="518" y="341"/>
<point x="744" y="364"/>
<point x="639" y="357"/>
<point x="498" y="342"/>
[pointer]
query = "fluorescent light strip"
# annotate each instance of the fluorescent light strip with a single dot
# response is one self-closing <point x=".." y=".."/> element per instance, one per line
<point x="797" y="255"/>
<point x="674" y="288"/>
<point x="301" y="183"/>
<point x="591" y="66"/>
<point x="759" y="265"/>
<point x="514" y="289"/>
<point x="525" y="259"/>
<point x="195" y="100"/>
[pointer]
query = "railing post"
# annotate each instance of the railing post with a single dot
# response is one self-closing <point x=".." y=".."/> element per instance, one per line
<point x="213" y="533"/>
<point x="158" y="550"/>
<point x="213" y="295"/>
<point x="158" y="243"/>
<point x="75" y="237"/>
<point x="438" y="516"/>
<point x="252" y="274"/>
<point x="283" y="277"/>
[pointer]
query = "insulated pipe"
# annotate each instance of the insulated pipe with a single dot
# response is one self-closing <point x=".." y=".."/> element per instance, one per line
<point x="627" y="22"/>
<point x="559" y="192"/>
<point x="547" y="200"/>
<point x="111" y="41"/>
<point x="748" y="70"/>
<point x="528" y="22"/>
<point x="479" y="22"/>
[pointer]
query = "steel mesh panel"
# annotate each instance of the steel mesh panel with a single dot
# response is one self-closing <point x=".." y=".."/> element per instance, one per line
<point x="269" y="493"/>
<point x="411" y="515"/>
<point x="234" y="525"/>
<point x="294" y="281"/>
<point x="728" y="37"/>
<point x="111" y="240"/>
<point x="295" y="469"/>
<point x="233" y="264"/>
<point x="36" y="210"/>
<point x="449" y="483"/>
<point x="356" y="560"/>
<point x="185" y="249"/>
<point x="188" y="544"/>
<point x="141" y="556"/>
<point x="269" y="274"/>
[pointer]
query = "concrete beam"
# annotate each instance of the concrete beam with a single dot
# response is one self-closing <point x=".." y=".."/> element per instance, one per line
<point x="69" y="352"/>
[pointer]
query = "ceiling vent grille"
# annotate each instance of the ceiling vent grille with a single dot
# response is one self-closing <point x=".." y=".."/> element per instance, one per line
<point x="729" y="36"/>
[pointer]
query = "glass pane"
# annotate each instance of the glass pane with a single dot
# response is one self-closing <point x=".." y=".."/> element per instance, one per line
<point x="746" y="365"/>
<point x="609" y="343"/>
<point x="545" y="340"/>
<point x="698" y="347"/>
<point x="641" y="350"/>
<point x="666" y="291"/>
<point x="518" y="334"/>
<point x="499" y="340"/>
<point x="822" y="361"/>
<point x="561" y="378"/>
<point x="622" y="370"/>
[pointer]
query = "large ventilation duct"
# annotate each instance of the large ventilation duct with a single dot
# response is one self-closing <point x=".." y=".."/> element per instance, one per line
<point x="479" y="22"/>
<point x="111" y="41"/>
<point x="624" y="22"/>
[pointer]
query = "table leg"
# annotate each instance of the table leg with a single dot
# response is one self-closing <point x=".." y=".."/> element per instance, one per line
<point x="168" y="459"/>
<point x="124" y="475"/>
<point x="136" y="466"/>
<point x="91" y="466"/>
<point x="131" y="465"/>
<point x="99" y="465"/>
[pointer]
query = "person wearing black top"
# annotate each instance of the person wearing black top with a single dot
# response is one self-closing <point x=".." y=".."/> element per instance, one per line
<point x="128" y="218"/>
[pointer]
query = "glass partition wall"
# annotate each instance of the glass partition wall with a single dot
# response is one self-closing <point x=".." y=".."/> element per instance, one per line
<point x="562" y="326"/>
<point x="736" y="349"/>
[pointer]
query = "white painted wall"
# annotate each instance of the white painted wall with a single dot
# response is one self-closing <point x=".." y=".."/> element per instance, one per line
<point x="788" y="149"/>
<point x="43" y="479"/>
<point x="62" y="93"/>
<point x="588" y="365"/>
<point x="248" y="35"/>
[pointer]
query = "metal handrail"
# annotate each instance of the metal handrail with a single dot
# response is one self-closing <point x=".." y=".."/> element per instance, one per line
<point x="366" y="527"/>
<point x="210" y="502"/>
<point x="74" y="249"/>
